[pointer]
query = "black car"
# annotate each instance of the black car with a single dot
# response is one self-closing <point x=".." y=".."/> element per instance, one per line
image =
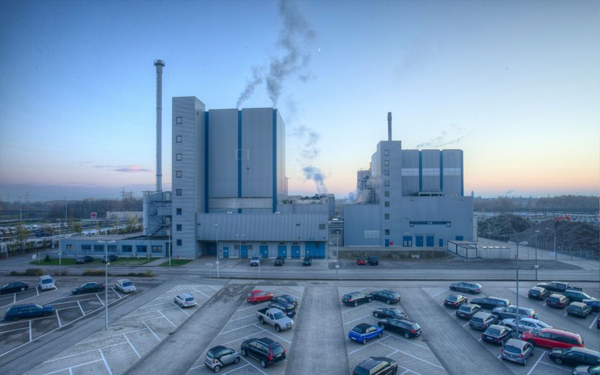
<point x="455" y="300"/>
<point x="467" y="311"/>
<point x="389" y="313"/>
<point x="279" y="261"/>
<point x="538" y="293"/>
<point x="287" y="308"/>
<point x="593" y="303"/>
<point x="464" y="286"/>
<point x="577" y="296"/>
<point x="372" y="260"/>
<point x="88" y="288"/>
<point x="558" y="286"/>
<point x="557" y="301"/>
<point x="17" y="286"/>
<point x="356" y="298"/>
<point x="482" y="320"/>
<point x="387" y="296"/>
<point x="575" y="356"/>
<point x="376" y="366"/>
<point x="404" y="327"/>
<point x="496" y="334"/>
<point x="286" y="298"/>
<point x="29" y="310"/>
<point x="268" y="352"/>
<point x="84" y="260"/>
<point x="307" y="262"/>
<point x="111" y="258"/>
<point x="490" y="303"/>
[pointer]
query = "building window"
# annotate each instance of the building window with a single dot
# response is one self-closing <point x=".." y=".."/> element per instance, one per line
<point x="86" y="247"/>
<point x="179" y="227"/>
<point x="157" y="249"/>
<point x="387" y="232"/>
<point x="141" y="248"/>
<point x="178" y="139"/>
<point x="179" y="242"/>
<point x="112" y="248"/>
<point x="178" y="211"/>
<point x="387" y="193"/>
<point x="386" y="162"/>
<point x="387" y="183"/>
<point x="178" y="174"/>
<point x="178" y="157"/>
<point x="98" y="247"/>
<point x="178" y="192"/>
<point x="179" y="120"/>
<point x="387" y="203"/>
<point x="386" y="152"/>
<point x="69" y="247"/>
<point x="387" y="216"/>
<point x="126" y="248"/>
<point x="386" y="172"/>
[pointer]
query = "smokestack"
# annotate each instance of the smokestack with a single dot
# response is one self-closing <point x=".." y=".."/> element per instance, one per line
<point x="159" y="64"/>
<point x="389" y="126"/>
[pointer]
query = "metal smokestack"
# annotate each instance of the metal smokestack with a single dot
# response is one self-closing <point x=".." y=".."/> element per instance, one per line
<point x="159" y="64"/>
<point x="389" y="126"/>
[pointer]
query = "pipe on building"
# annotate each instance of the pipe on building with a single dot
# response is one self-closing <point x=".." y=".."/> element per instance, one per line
<point x="159" y="64"/>
<point x="389" y="126"/>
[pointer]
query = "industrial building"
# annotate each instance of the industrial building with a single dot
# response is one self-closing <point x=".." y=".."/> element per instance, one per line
<point x="409" y="198"/>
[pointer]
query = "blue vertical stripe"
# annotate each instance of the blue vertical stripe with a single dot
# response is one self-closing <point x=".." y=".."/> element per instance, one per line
<point x="240" y="154"/>
<point x="442" y="171"/>
<point x="462" y="175"/>
<point x="420" y="171"/>
<point x="274" y="160"/>
<point x="206" y="153"/>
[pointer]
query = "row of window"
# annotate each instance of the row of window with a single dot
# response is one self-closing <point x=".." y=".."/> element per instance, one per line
<point x="124" y="248"/>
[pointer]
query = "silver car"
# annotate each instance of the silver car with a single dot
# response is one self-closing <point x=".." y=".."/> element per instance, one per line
<point x="185" y="300"/>
<point x="125" y="286"/>
<point x="517" y="351"/>
<point x="220" y="356"/>
<point x="525" y="324"/>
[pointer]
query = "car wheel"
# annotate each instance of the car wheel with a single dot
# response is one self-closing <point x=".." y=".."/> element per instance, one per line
<point x="407" y="335"/>
<point x="278" y="328"/>
<point x="261" y="320"/>
<point x="355" y="303"/>
<point x="263" y="364"/>
<point x="524" y="362"/>
<point x="370" y="300"/>
<point x="452" y="288"/>
<point x="364" y="341"/>
<point x="46" y="313"/>
<point x="244" y="353"/>
<point x="236" y="360"/>
<point x="558" y="361"/>
<point x="376" y="314"/>
<point x="217" y="368"/>
<point x="15" y="318"/>
<point x="380" y="334"/>
<point x="22" y="289"/>
<point x="389" y="301"/>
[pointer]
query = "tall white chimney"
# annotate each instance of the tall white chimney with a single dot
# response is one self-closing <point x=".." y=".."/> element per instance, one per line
<point x="159" y="64"/>
<point x="389" y="126"/>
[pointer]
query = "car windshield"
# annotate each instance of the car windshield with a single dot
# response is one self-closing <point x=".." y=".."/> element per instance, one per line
<point x="493" y="332"/>
<point x="210" y="355"/>
<point x="512" y="349"/>
<point x="395" y="312"/>
<point x="189" y="299"/>
<point x="451" y="298"/>
<point x="476" y="319"/>
<point x="415" y="326"/>
<point x="543" y="325"/>
<point x="47" y="281"/>
<point x="127" y="283"/>
<point x="465" y="308"/>
<point x="39" y="306"/>
<point x="279" y="315"/>
<point x="277" y="350"/>
<point x="358" y="330"/>
<point x="250" y="295"/>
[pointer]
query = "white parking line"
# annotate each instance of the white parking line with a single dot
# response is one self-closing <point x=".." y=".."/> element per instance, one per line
<point x="282" y="292"/>
<point x="408" y="341"/>
<point x="15" y="298"/>
<point x="281" y="338"/>
<point x="195" y="367"/>
<point x="412" y="356"/>
<point x="58" y="318"/>
<point x="78" y="300"/>
<point x="566" y="313"/>
<point x="213" y="288"/>
<point x="229" y="372"/>
<point x="100" y="299"/>
<point x="69" y="368"/>
<point x="147" y="326"/>
<point x="169" y="320"/>
<point x="536" y="363"/>
<point x="14" y="330"/>
<point x="118" y="295"/>
<point x="109" y="336"/>
<point x="243" y="338"/>
<point x="261" y="371"/>
<point x="248" y="308"/>
<point x="205" y="295"/>
<point x="556" y="367"/>
<point x="594" y="321"/>
<point x="37" y="290"/>
<point x="236" y="329"/>
<point x="105" y="363"/>
<point x="296" y="289"/>
<point x="182" y="310"/>
<point x="466" y="324"/>
<point x="80" y="308"/>
<point x="438" y="293"/>
<point x="369" y="344"/>
<point x="30" y="331"/>
<point x="132" y="347"/>
<point x="362" y="317"/>
<point x="243" y="317"/>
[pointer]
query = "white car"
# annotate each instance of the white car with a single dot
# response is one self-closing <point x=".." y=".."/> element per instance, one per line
<point x="125" y="286"/>
<point x="255" y="261"/>
<point x="46" y="283"/>
<point x="185" y="300"/>
<point x="525" y="324"/>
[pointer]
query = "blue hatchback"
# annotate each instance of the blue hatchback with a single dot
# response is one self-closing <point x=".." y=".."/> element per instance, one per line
<point x="365" y="332"/>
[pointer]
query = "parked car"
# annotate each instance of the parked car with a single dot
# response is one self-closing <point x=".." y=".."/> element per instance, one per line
<point x="46" y="283"/>
<point x="361" y="261"/>
<point x="552" y="338"/>
<point x="558" y="286"/>
<point x="92" y="287"/>
<point x="464" y="286"/>
<point x="490" y="303"/>
<point x="525" y="324"/>
<point x="466" y="311"/>
<point x="455" y="300"/>
<point x="557" y="301"/>
<point x="365" y="332"/>
<point x="30" y="310"/>
<point x="376" y="366"/>
<point x="577" y="296"/>
<point x="254" y="261"/>
<point x="387" y="296"/>
<point x="279" y="261"/>
<point x="389" y="313"/>
<point x="538" y="292"/>
<point x="510" y="312"/>
<point x="286" y="298"/>
<point x="185" y="300"/>
<point x="84" y="260"/>
<point x="586" y="370"/>
<point x="274" y="317"/>
<point x="404" y="327"/>
<point x="14" y="287"/>
<point x="482" y="320"/>
<point x="593" y="303"/>
<point x="356" y="298"/>
<point x="257" y="296"/>
<point x="111" y="258"/>
<point x="287" y="308"/>
<point x="579" y="309"/>
<point x="496" y="334"/>
<point x="125" y="286"/>
<point x="575" y="357"/>
<point x="372" y="260"/>
<point x="268" y="352"/>
<point x="307" y="261"/>
<point x="517" y="351"/>
<point x="219" y="357"/>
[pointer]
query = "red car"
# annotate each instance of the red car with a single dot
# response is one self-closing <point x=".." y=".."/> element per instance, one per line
<point x="361" y="261"/>
<point x="553" y="338"/>
<point x="257" y="296"/>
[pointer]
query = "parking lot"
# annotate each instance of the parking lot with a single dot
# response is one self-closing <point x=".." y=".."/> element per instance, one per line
<point x="7" y="300"/>
<point x="244" y="325"/>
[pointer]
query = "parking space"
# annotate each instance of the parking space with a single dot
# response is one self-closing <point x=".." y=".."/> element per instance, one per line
<point x="7" y="300"/>
<point x="128" y="339"/>
<point x="540" y="363"/>
<point x="244" y="325"/>
<point x="413" y="355"/>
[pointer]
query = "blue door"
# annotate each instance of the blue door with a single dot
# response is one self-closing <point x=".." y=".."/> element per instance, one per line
<point x="264" y="251"/>
<point x="308" y="249"/>
<point x="211" y="249"/>
<point x="244" y="252"/>
<point x="419" y="241"/>
<point x="387" y="242"/>
<point x="295" y="252"/>
<point x="319" y="250"/>
<point x="282" y="251"/>
<point x="430" y="241"/>
<point x="441" y="242"/>
<point x="225" y="252"/>
<point x="459" y="238"/>
<point x="407" y="241"/>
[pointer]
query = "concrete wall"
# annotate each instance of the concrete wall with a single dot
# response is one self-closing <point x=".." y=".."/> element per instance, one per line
<point x="362" y="225"/>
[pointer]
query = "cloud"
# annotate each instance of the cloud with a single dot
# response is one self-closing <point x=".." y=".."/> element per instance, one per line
<point x="124" y="168"/>
<point x="444" y="138"/>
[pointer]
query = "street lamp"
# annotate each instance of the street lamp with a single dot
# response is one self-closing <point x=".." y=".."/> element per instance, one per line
<point x="105" y="243"/>
<point x="537" y="232"/>
<point x="555" y="253"/>
<point x="240" y="249"/>
<point x="524" y="243"/>
<point x="217" y="230"/>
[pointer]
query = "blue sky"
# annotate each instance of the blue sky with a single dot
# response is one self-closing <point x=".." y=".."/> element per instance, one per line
<point x="514" y="84"/>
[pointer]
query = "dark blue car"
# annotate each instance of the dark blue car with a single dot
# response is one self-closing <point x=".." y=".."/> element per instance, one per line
<point x="593" y="303"/>
<point x="365" y="332"/>
<point x="497" y="334"/>
<point x="29" y="310"/>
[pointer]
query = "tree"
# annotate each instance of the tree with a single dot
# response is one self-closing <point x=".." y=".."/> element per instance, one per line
<point x="132" y="223"/>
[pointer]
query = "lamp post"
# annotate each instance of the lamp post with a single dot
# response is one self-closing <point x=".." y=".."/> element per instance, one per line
<point x="537" y="232"/>
<point x="518" y="243"/>
<point x="240" y="249"/>
<point x="555" y="253"/>
<point x="217" y="230"/>
<point x="105" y="243"/>
<point x="170" y="245"/>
